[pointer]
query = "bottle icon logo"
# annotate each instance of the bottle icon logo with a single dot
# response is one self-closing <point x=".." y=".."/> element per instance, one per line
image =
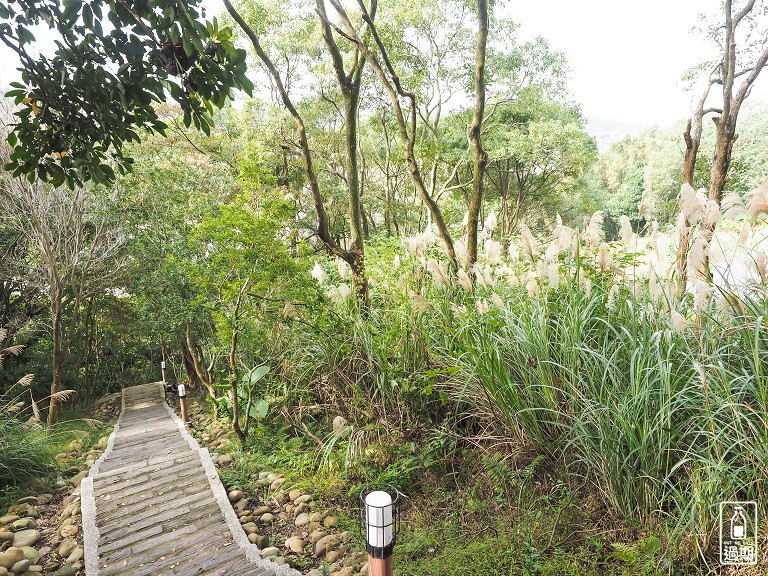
<point x="738" y="533"/>
<point x="738" y="524"/>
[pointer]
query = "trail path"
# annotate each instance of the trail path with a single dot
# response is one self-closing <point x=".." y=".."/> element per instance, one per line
<point x="153" y="503"/>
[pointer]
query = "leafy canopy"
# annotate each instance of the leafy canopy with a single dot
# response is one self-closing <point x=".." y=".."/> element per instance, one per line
<point x="112" y="61"/>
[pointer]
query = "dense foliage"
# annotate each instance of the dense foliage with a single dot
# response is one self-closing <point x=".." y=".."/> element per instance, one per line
<point x="564" y="371"/>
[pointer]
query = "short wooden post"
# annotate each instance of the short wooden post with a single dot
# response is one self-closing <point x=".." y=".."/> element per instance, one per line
<point x="379" y="566"/>
<point x="162" y="367"/>
<point x="379" y="519"/>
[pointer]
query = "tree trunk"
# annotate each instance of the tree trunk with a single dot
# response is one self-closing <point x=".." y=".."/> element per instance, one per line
<point x="59" y="358"/>
<point x="479" y="157"/>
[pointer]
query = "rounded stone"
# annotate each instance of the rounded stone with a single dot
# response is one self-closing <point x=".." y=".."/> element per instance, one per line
<point x="3" y="571"/>
<point x="26" y="538"/>
<point x="76" y="556"/>
<point x="262" y="510"/>
<point x="326" y="542"/>
<point x="279" y="560"/>
<point x="316" y="517"/>
<point x="68" y="570"/>
<point x="24" y="523"/>
<point x="331" y="521"/>
<point x="225" y="459"/>
<point x="266" y="518"/>
<point x="303" y="499"/>
<point x="293" y="494"/>
<point x="10" y="519"/>
<point x="271" y="551"/>
<point x="301" y="519"/>
<point x="66" y="547"/>
<point x="21" y="566"/>
<point x="235" y="495"/>
<point x="295" y="544"/>
<point x="31" y="554"/>
<point x="67" y="531"/>
<point x="10" y="557"/>
<point x="331" y="556"/>
<point x="6" y="536"/>
<point x="316" y="536"/>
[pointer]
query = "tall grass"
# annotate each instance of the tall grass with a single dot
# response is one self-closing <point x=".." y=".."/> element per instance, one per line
<point x="663" y="424"/>
<point x="26" y="448"/>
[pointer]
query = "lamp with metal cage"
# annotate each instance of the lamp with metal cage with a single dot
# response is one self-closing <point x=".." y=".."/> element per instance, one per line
<point x="380" y="524"/>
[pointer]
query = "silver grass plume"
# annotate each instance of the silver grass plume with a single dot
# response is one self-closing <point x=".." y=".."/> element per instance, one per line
<point x="646" y="207"/>
<point x="604" y="261"/>
<point x="438" y="273"/>
<point x="529" y="246"/>
<point x="594" y="231"/>
<point x="732" y="206"/>
<point x="464" y="280"/>
<point x="758" y="201"/>
<point x="697" y="256"/>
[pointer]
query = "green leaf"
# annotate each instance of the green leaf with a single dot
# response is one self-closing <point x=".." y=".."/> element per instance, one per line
<point x="255" y="375"/>
<point x="259" y="410"/>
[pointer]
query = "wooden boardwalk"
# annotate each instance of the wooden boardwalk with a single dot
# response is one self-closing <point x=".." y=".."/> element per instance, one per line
<point x="153" y="503"/>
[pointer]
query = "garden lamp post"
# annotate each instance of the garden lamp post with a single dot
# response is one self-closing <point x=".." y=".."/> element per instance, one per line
<point x="183" y="402"/>
<point x="380" y="523"/>
<point x="162" y="367"/>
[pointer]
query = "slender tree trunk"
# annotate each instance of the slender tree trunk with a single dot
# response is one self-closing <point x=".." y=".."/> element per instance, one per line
<point x="479" y="157"/>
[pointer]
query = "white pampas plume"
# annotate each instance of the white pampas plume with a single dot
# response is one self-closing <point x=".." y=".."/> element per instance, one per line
<point x="492" y="251"/>
<point x="497" y="300"/>
<point x="701" y="292"/>
<point x="438" y="273"/>
<point x="465" y="281"/>
<point x="478" y="273"/>
<point x="489" y="280"/>
<point x="513" y="280"/>
<point x="604" y="260"/>
<point x="532" y="287"/>
<point x="289" y="311"/>
<point x="711" y="213"/>
<point x="482" y="306"/>
<point x="612" y="295"/>
<point x="461" y="250"/>
<point x="678" y="321"/>
<point x="430" y="234"/>
<point x="484" y="235"/>
<point x="344" y="271"/>
<point x="541" y="271"/>
<point x="396" y="262"/>
<point x="680" y="225"/>
<point x="419" y="303"/>
<point x="550" y="254"/>
<point x="731" y="303"/>
<point x="654" y="287"/>
<point x="465" y="220"/>
<point x="646" y="208"/>
<point x="416" y="245"/>
<point x="732" y="206"/>
<point x="458" y="309"/>
<point x="553" y="274"/>
<point x="692" y="203"/>
<point x="333" y="294"/>
<point x="558" y="220"/>
<point x="594" y="230"/>
<point x="566" y="237"/>
<point x="746" y="232"/>
<point x="529" y="246"/>
<point x="627" y="234"/>
<point x="318" y="273"/>
<point x="345" y="291"/>
<point x="761" y="265"/>
<point x="491" y="222"/>
<point x="513" y="252"/>
<point x="587" y="286"/>
<point x="758" y="201"/>
<point x="697" y="256"/>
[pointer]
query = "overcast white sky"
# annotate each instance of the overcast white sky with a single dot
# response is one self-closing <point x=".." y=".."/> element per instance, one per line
<point x="627" y="57"/>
